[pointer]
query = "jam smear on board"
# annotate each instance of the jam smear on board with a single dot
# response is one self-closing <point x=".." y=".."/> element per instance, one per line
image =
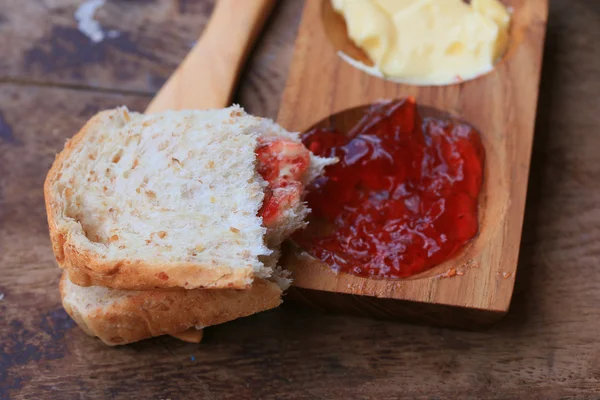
<point x="403" y="197"/>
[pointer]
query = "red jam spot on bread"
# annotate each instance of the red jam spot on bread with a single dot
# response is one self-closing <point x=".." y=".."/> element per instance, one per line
<point x="163" y="276"/>
<point x="281" y="163"/>
<point x="402" y="199"/>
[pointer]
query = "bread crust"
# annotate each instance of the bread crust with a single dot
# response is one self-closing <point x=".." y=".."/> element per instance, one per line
<point x="87" y="269"/>
<point x="144" y="314"/>
<point x="128" y="275"/>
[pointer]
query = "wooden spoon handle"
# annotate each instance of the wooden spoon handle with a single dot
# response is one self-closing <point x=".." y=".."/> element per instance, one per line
<point x="207" y="76"/>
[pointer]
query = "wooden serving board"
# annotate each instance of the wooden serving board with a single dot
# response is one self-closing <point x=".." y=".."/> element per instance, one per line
<point x="475" y="287"/>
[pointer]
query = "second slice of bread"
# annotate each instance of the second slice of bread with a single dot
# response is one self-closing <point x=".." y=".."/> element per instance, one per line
<point x="120" y="317"/>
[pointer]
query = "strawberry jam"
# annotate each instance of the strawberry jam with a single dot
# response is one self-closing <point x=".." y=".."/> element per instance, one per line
<point x="281" y="163"/>
<point x="403" y="197"/>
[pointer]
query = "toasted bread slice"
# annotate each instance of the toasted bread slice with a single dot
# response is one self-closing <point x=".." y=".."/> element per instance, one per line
<point x="121" y="317"/>
<point x="168" y="200"/>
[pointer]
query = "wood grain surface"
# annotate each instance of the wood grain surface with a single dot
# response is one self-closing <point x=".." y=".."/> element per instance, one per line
<point x="324" y="89"/>
<point x="52" y="79"/>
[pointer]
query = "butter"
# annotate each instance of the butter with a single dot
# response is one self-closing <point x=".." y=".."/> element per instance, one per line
<point x="428" y="42"/>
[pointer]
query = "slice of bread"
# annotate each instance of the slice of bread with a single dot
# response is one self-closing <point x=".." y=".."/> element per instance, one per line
<point x="121" y="317"/>
<point x="167" y="200"/>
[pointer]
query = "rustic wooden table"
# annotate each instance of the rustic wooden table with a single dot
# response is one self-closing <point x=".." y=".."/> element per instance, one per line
<point x="52" y="78"/>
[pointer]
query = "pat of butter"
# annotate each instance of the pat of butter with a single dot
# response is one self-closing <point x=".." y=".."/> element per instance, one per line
<point x="428" y="41"/>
